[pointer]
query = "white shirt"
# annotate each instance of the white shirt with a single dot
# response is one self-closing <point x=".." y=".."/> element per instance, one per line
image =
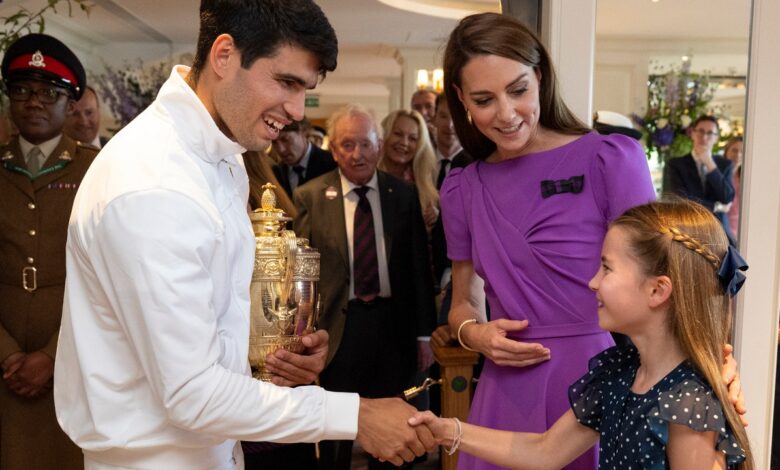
<point x="292" y="176"/>
<point x="96" y="142"/>
<point x="152" y="367"/>
<point x="350" y="204"/>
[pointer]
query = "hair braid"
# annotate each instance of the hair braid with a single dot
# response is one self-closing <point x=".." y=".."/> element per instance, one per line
<point x="692" y="244"/>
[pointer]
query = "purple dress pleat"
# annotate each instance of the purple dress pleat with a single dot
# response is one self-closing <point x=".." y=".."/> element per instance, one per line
<point x="536" y="255"/>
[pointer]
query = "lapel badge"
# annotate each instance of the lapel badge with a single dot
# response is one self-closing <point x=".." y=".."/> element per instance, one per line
<point x="37" y="60"/>
<point x="331" y="193"/>
<point x="7" y="155"/>
<point x="65" y="155"/>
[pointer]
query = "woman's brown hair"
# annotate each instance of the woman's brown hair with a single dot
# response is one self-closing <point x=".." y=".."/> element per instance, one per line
<point x="503" y="36"/>
<point x="258" y="169"/>
<point x="684" y="241"/>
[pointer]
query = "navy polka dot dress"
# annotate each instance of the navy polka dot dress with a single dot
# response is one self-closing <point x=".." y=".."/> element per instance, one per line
<point x="635" y="428"/>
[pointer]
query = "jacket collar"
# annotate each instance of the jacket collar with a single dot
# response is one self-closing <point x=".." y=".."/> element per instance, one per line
<point x="196" y="127"/>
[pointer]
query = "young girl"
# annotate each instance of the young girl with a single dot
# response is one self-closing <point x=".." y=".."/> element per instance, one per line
<point x="665" y="280"/>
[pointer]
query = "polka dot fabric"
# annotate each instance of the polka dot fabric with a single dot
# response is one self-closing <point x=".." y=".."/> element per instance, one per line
<point x="634" y="428"/>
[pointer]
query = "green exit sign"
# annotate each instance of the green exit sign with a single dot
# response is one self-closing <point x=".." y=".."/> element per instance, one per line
<point x="312" y="102"/>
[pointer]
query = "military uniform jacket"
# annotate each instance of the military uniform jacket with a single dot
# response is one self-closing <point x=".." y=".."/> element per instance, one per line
<point x="34" y="214"/>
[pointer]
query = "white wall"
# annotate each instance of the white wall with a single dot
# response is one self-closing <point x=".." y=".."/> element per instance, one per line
<point x="622" y="66"/>
<point x="757" y="319"/>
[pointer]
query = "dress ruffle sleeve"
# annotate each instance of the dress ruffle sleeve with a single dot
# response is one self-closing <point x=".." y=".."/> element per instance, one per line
<point x="454" y="215"/>
<point x="693" y="404"/>
<point x="589" y="395"/>
<point x="623" y="174"/>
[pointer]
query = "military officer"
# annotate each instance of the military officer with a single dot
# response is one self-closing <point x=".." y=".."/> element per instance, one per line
<point x="40" y="170"/>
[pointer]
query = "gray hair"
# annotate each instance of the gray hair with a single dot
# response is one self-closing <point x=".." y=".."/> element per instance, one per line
<point x="349" y="111"/>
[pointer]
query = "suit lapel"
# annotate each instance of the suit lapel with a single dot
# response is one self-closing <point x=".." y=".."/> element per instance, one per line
<point x="334" y="214"/>
<point x="388" y="203"/>
<point x="16" y="160"/>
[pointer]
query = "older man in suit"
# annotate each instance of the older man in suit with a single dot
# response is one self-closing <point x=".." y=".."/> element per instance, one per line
<point x="301" y="160"/>
<point x="377" y="294"/>
<point x="41" y="170"/>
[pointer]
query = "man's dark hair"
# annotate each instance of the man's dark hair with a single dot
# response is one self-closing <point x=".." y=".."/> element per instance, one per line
<point x="298" y="126"/>
<point x="260" y="27"/>
<point x="439" y="98"/>
<point x="708" y="118"/>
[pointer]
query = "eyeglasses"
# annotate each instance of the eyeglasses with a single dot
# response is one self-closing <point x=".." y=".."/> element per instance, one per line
<point x="704" y="133"/>
<point x="349" y="146"/>
<point x="48" y="95"/>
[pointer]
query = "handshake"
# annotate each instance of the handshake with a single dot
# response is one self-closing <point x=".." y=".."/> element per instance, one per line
<point x="384" y="431"/>
<point x="383" y="424"/>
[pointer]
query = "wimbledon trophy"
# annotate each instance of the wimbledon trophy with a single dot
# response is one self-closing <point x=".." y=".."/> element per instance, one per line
<point x="283" y="293"/>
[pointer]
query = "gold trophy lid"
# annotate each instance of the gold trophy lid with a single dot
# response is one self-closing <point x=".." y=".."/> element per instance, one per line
<point x="268" y="218"/>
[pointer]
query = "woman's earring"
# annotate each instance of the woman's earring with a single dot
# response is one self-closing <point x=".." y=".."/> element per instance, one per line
<point x="468" y="117"/>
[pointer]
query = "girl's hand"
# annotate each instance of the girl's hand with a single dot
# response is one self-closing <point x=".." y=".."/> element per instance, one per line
<point x="490" y="339"/>
<point x="443" y="429"/>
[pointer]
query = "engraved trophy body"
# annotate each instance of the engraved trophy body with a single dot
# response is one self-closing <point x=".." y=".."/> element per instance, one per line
<point x="283" y="293"/>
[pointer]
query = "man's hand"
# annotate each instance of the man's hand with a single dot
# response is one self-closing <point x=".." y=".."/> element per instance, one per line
<point x="292" y="369"/>
<point x="384" y="432"/>
<point x="12" y="363"/>
<point x="731" y="379"/>
<point x="443" y="336"/>
<point x="34" y="376"/>
<point x="424" y="355"/>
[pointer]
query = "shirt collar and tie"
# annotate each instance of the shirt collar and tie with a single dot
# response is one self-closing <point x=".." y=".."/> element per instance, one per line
<point x="35" y="156"/>
<point x="296" y="174"/>
<point x="445" y="164"/>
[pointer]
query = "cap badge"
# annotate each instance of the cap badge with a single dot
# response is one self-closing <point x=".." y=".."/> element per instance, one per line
<point x="65" y="155"/>
<point x="37" y="60"/>
<point x="7" y="155"/>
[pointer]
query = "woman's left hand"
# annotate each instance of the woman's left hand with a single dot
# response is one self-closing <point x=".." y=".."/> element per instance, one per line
<point x="430" y="216"/>
<point x="730" y="376"/>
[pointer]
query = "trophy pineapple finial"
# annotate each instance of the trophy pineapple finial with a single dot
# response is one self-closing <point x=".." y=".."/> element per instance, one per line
<point x="268" y="199"/>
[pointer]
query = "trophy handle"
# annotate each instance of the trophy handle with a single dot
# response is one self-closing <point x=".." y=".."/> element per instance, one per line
<point x="289" y="248"/>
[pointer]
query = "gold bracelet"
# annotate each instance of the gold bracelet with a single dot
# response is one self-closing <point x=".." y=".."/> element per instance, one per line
<point x="460" y="328"/>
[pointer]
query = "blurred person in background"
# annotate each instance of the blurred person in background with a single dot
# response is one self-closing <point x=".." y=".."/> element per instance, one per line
<point x="83" y="121"/>
<point x="407" y="154"/>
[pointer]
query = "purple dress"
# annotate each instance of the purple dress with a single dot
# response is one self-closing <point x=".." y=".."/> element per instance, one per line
<point x="533" y="230"/>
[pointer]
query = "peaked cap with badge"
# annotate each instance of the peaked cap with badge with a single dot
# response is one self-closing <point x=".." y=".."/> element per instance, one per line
<point x="46" y="59"/>
<point x="34" y="211"/>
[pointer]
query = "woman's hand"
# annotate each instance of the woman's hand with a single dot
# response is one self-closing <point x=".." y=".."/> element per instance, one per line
<point x="490" y="339"/>
<point x="443" y="336"/>
<point x="730" y="376"/>
<point x="430" y="216"/>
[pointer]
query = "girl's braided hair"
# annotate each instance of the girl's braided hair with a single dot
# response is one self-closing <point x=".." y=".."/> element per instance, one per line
<point x="682" y="240"/>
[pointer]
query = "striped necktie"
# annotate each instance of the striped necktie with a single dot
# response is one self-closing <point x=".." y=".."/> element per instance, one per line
<point x="364" y="258"/>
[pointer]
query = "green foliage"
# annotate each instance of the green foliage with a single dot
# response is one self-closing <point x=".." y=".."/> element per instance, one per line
<point x="26" y="21"/>
<point x="674" y="100"/>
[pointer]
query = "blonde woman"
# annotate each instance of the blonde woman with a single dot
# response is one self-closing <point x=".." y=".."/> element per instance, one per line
<point x="407" y="154"/>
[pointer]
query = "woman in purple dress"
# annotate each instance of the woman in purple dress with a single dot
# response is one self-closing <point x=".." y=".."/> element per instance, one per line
<point x="529" y="218"/>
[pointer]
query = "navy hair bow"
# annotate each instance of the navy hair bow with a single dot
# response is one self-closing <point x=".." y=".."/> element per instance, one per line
<point x="730" y="272"/>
